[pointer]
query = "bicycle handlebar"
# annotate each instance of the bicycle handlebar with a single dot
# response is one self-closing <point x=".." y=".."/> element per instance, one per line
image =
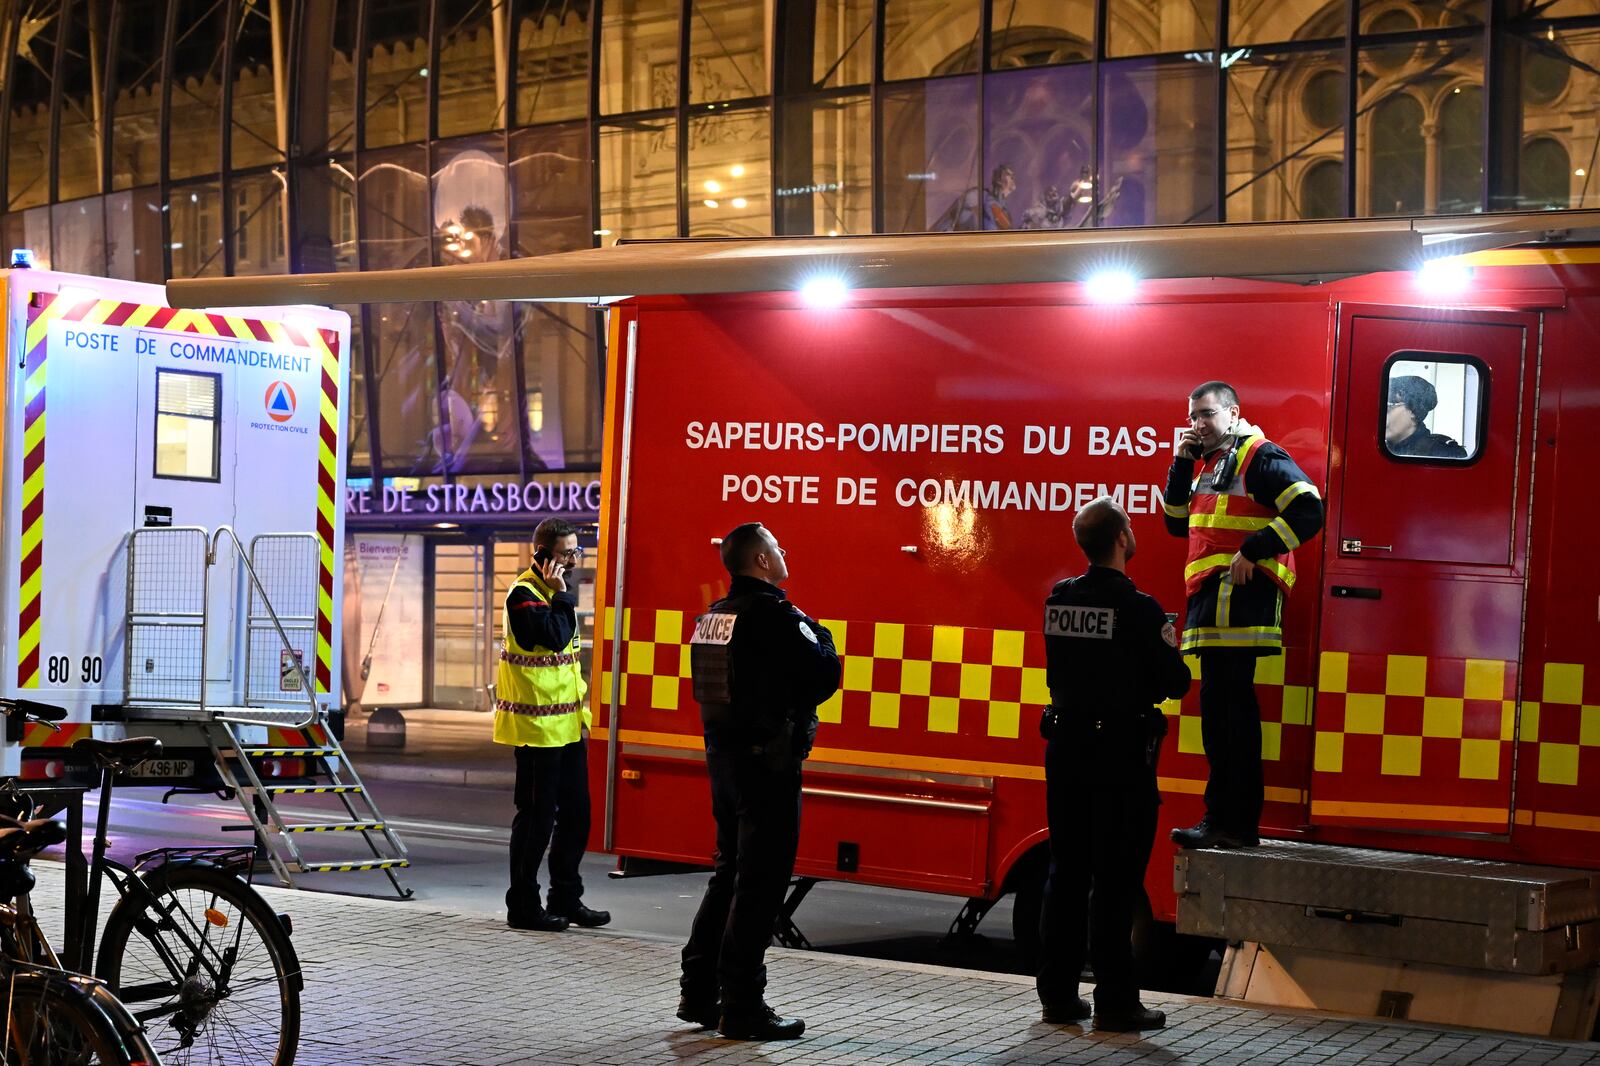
<point x="29" y="710"/>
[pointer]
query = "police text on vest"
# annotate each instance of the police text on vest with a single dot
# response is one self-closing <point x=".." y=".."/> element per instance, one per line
<point x="713" y="629"/>
<point x="1093" y="622"/>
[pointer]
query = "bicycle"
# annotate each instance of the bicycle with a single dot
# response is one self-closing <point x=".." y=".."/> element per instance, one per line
<point x="190" y="948"/>
<point x="53" y="1016"/>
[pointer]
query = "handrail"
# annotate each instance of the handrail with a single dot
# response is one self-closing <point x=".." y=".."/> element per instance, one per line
<point x="300" y="667"/>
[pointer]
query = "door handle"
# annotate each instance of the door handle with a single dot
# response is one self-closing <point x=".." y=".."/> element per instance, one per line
<point x="1354" y="917"/>
<point x="1353" y="546"/>
<point x="1356" y="592"/>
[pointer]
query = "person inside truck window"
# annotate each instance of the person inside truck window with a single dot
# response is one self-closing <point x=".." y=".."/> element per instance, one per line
<point x="1405" y="430"/>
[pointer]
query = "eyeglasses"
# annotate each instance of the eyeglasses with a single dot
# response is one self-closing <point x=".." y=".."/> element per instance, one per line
<point x="570" y="554"/>
<point x="1204" y="413"/>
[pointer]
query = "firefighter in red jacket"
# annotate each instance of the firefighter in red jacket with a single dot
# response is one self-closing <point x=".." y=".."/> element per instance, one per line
<point x="1245" y="507"/>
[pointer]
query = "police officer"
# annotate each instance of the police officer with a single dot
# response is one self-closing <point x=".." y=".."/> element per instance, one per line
<point x="1111" y="655"/>
<point x="760" y="668"/>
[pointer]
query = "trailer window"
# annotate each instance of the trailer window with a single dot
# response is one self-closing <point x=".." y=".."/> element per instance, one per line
<point x="1433" y="407"/>
<point x="188" y="425"/>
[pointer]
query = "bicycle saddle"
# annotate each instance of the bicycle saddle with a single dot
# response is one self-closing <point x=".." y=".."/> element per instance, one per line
<point x="119" y="755"/>
<point x="26" y="840"/>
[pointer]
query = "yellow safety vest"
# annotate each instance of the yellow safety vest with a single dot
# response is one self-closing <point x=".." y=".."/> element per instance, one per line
<point x="539" y="692"/>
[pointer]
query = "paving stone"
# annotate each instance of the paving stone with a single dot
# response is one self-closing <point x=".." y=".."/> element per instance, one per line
<point x="403" y="984"/>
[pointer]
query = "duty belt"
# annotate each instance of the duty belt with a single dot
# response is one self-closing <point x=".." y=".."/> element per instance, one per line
<point x="537" y="660"/>
<point x="535" y="710"/>
<point x="1122" y="718"/>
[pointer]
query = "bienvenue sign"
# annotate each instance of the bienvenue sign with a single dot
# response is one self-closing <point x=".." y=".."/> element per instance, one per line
<point x="501" y="497"/>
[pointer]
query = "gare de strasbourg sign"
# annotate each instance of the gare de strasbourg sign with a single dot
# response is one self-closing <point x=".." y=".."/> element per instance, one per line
<point x="508" y="499"/>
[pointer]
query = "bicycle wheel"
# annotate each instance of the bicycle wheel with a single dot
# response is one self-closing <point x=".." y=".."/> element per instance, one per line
<point x="57" y="1020"/>
<point x="205" y="964"/>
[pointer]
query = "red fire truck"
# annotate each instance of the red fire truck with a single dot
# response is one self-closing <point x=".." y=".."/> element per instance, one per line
<point x="918" y="418"/>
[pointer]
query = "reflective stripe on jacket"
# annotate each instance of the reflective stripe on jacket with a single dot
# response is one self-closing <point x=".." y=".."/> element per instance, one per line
<point x="539" y="692"/>
<point x="1219" y="523"/>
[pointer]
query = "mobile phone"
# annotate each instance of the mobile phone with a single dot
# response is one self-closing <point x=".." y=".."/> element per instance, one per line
<point x="541" y="557"/>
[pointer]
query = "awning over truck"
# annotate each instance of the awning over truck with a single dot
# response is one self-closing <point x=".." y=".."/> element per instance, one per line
<point x="1301" y="251"/>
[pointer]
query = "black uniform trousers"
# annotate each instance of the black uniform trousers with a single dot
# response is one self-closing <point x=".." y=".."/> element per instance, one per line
<point x="757" y="809"/>
<point x="1101" y="802"/>
<point x="552" y="798"/>
<point x="1230" y="728"/>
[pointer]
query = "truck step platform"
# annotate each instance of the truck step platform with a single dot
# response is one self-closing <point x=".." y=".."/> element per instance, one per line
<point x="270" y="716"/>
<point x="334" y="827"/>
<point x="1494" y="916"/>
<point x="354" y="866"/>
<point x="304" y="753"/>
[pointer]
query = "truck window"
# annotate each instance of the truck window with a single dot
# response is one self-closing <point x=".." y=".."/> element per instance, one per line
<point x="188" y="425"/>
<point x="1433" y="408"/>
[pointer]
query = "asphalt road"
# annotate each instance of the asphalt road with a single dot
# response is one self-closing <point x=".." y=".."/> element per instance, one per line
<point x="457" y="837"/>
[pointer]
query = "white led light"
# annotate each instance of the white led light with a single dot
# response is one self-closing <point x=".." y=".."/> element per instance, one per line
<point x="825" y="292"/>
<point x="1444" y="276"/>
<point x="1111" y="286"/>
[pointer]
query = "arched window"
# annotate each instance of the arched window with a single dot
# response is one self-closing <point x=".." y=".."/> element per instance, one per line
<point x="1322" y="190"/>
<point x="1545" y="179"/>
<point x="1323" y="99"/>
<point x="1396" y="163"/>
<point x="1461" y="150"/>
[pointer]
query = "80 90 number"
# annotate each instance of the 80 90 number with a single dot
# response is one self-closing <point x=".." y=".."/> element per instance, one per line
<point x="58" y="669"/>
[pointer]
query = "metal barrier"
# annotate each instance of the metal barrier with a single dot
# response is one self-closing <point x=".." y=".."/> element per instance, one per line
<point x="168" y="623"/>
<point x="166" y="617"/>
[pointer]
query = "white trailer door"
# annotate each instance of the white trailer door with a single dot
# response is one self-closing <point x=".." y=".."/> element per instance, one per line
<point x="186" y="470"/>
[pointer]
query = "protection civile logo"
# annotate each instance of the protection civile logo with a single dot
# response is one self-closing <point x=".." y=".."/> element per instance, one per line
<point x="280" y="401"/>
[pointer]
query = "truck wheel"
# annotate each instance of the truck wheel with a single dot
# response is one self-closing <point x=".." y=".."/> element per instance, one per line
<point x="1027" y="882"/>
<point x="1167" y="960"/>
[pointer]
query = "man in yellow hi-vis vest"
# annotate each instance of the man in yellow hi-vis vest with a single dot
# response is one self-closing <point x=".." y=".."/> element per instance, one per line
<point x="540" y="711"/>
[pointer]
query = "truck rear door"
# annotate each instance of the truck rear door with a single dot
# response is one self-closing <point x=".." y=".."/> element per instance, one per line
<point x="1425" y="569"/>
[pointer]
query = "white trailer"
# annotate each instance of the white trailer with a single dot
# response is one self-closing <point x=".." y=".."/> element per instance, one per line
<point x="173" y="542"/>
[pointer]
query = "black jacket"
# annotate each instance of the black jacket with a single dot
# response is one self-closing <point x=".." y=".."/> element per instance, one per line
<point x="1429" y="446"/>
<point x="783" y="664"/>
<point x="1105" y="657"/>
<point x="535" y="624"/>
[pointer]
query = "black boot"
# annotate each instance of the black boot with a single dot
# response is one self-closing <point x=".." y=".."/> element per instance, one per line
<point x="759" y="1023"/>
<point x="705" y="1013"/>
<point x="1067" y="1012"/>
<point x="578" y="914"/>
<point x="1129" y="1019"/>
<point x="1207" y="834"/>
<point x="537" y="918"/>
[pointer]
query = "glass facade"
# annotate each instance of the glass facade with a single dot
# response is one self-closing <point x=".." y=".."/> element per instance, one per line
<point x="155" y="138"/>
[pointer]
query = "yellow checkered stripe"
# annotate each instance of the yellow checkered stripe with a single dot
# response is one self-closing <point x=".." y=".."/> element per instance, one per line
<point x="1563" y="726"/>
<point x="939" y="676"/>
<point x="941" y="679"/>
<point x="1476" y="716"/>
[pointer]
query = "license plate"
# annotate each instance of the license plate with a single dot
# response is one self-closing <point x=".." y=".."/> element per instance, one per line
<point x="163" y="768"/>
